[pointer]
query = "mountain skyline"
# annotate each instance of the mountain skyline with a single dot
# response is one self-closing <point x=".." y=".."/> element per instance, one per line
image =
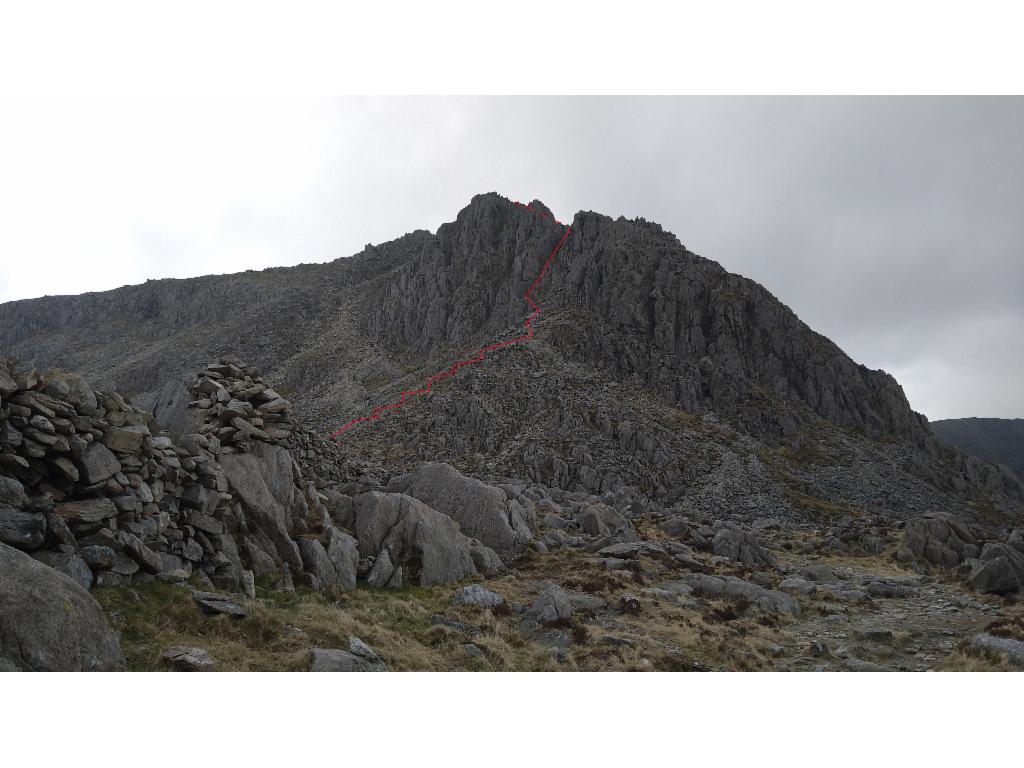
<point x="889" y="225"/>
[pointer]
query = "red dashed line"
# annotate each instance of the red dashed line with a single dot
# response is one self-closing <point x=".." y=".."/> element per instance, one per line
<point x="479" y="356"/>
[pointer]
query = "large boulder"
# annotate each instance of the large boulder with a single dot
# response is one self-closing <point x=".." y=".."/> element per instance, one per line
<point x="263" y="479"/>
<point x="482" y="511"/>
<point x="937" y="541"/>
<point x="999" y="570"/>
<point x="426" y="544"/>
<point x="994" y="577"/>
<point x="49" y="622"/>
<point x="1014" y="649"/>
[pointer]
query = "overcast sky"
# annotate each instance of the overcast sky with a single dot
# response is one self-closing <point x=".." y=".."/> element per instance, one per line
<point x="893" y="226"/>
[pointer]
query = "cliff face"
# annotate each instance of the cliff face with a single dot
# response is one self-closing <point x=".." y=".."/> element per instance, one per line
<point x="635" y="302"/>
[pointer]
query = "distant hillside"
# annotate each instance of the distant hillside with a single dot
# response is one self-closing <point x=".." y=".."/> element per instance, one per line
<point x="1000" y="441"/>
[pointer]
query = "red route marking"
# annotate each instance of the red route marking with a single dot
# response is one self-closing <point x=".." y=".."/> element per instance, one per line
<point x="479" y="357"/>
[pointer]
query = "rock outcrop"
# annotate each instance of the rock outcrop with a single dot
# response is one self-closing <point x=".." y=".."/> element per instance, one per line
<point x="937" y="541"/>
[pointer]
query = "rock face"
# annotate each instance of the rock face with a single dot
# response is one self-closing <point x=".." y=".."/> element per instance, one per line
<point x="482" y="511"/>
<point x="49" y="622"/>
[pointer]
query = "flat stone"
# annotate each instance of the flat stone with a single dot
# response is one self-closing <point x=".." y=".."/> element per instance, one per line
<point x="216" y="602"/>
<point x="477" y="595"/>
<point x="458" y="626"/>
<point x="67" y="468"/>
<point x="189" y="659"/>
<point x="87" y="510"/>
<point x="150" y="561"/>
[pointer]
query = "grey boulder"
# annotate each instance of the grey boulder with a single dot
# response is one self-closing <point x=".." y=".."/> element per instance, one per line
<point x="358" y="658"/>
<point x="482" y="511"/>
<point x="475" y="594"/>
<point x="49" y="622"/>
<point x="552" y="608"/>
<point x="188" y="659"/>
<point x="999" y="570"/>
<point x="1014" y="649"/>
<point x="425" y="543"/>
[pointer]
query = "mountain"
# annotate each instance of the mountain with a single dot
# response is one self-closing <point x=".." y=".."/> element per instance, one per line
<point x="1000" y="441"/>
<point x="651" y="366"/>
<point x="623" y="295"/>
<point x="640" y="460"/>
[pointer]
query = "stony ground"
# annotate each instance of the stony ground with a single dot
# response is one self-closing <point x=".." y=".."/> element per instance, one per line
<point x="618" y="620"/>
